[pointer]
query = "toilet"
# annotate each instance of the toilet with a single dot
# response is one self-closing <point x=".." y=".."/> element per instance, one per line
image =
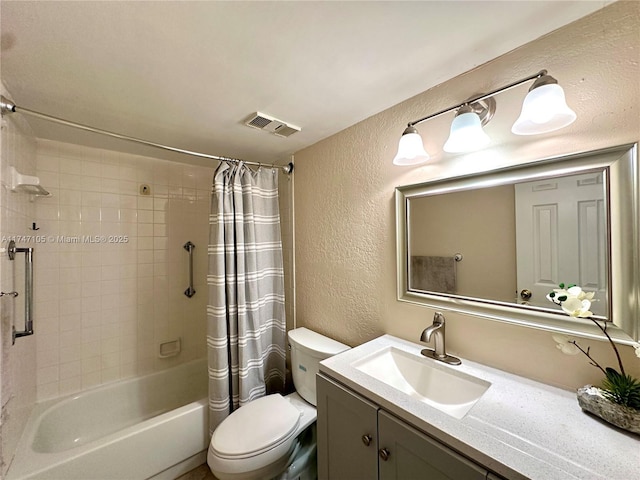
<point x="274" y="437"/>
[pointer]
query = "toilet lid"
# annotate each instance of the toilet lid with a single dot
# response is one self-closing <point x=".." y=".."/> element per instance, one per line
<point x="256" y="427"/>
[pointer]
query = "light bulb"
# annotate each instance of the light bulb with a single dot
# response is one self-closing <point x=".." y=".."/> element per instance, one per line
<point x="410" y="149"/>
<point x="466" y="134"/>
<point x="544" y="110"/>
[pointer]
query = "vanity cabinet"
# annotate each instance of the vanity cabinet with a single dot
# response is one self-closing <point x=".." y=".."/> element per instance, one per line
<point x="359" y="441"/>
<point x="347" y="434"/>
<point x="412" y="454"/>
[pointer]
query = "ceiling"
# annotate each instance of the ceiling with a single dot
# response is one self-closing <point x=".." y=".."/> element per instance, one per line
<point x="187" y="74"/>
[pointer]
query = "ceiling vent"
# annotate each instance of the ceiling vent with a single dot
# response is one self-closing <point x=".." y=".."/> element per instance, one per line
<point x="272" y="125"/>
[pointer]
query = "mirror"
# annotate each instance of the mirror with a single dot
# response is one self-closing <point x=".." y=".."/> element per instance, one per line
<point x="494" y="244"/>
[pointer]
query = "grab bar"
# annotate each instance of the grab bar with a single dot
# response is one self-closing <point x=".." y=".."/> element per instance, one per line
<point x="28" y="290"/>
<point x="190" y="291"/>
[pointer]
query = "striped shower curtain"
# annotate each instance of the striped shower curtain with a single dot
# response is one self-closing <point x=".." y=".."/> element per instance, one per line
<point x="245" y="312"/>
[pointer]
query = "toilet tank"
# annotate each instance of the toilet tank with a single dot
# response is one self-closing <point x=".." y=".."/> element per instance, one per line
<point x="308" y="349"/>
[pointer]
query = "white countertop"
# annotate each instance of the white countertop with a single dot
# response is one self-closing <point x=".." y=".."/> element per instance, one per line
<point x="520" y="429"/>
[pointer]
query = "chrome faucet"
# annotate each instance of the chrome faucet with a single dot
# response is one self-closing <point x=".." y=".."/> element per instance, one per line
<point x="436" y="330"/>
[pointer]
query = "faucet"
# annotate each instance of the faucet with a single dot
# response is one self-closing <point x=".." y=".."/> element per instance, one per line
<point x="436" y="330"/>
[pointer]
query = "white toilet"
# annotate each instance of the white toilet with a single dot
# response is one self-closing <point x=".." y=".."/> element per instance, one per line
<point x="273" y="437"/>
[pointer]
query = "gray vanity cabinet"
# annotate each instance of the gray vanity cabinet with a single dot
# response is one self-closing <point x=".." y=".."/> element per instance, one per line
<point x="347" y="434"/>
<point x="357" y="440"/>
<point x="414" y="455"/>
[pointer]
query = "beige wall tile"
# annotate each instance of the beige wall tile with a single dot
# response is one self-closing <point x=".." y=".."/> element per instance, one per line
<point x="98" y="334"/>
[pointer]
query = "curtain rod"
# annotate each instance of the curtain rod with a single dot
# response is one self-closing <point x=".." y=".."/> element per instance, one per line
<point x="7" y="106"/>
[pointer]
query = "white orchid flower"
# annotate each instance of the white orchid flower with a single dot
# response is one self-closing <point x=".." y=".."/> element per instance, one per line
<point x="564" y="344"/>
<point x="574" y="307"/>
<point x="576" y="291"/>
<point x="568" y="348"/>
<point x="575" y="302"/>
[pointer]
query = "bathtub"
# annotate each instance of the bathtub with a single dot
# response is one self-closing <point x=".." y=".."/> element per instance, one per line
<point x="154" y="426"/>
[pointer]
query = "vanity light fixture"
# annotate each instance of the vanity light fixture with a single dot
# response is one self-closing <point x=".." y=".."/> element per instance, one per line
<point x="466" y="129"/>
<point x="544" y="110"/>
<point x="410" y="149"/>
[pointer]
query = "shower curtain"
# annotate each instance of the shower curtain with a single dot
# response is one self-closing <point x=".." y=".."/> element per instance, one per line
<point x="245" y="311"/>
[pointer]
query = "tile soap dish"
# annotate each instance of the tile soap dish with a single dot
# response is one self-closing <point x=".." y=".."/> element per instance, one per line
<point x="172" y="348"/>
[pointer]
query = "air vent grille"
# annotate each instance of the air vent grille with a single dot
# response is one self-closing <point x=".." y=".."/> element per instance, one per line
<point x="272" y="125"/>
<point x="258" y="122"/>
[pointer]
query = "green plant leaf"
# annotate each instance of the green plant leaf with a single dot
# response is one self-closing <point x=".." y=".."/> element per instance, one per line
<point x="621" y="389"/>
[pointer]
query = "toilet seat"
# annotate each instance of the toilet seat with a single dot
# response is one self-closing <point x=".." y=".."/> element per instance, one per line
<point x="255" y="436"/>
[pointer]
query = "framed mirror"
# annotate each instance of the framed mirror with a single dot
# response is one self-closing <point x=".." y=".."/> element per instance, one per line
<point x="494" y="244"/>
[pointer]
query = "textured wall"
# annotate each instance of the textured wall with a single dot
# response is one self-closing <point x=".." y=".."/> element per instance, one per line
<point x="345" y="220"/>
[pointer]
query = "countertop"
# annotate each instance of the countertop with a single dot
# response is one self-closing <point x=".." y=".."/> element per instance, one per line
<point x="520" y="428"/>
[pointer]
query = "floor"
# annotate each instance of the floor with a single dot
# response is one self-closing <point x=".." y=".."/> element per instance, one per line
<point x="199" y="473"/>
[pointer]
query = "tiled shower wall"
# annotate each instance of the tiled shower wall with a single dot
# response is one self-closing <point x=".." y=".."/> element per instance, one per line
<point x="111" y="268"/>
<point x="17" y="362"/>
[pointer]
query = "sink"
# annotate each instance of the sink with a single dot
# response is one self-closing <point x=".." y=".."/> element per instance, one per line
<point x="440" y="386"/>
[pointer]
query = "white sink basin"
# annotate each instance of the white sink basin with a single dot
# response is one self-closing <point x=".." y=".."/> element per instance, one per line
<point x="440" y="386"/>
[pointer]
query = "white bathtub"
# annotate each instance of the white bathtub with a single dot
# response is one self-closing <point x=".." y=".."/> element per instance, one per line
<point x="146" y="427"/>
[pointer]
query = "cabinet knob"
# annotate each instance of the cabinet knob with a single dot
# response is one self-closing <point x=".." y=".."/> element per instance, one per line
<point x="384" y="454"/>
<point x="366" y="439"/>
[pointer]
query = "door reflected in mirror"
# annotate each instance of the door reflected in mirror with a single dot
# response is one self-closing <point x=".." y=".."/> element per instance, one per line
<point x="561" y="234"/>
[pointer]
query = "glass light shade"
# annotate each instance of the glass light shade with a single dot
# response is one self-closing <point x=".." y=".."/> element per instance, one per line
<point x="410" y="150"/>
<point x="466" y="134"/>
<point x="544" y="110"/>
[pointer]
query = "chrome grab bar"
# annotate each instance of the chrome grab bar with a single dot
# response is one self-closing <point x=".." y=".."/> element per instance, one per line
<point x="28" y="289"/>
<point x="190" y="291"/>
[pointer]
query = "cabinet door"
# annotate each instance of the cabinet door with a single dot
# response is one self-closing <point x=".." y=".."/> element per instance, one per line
<point x="410" y="455"/>
<point x="347" y="434"/>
